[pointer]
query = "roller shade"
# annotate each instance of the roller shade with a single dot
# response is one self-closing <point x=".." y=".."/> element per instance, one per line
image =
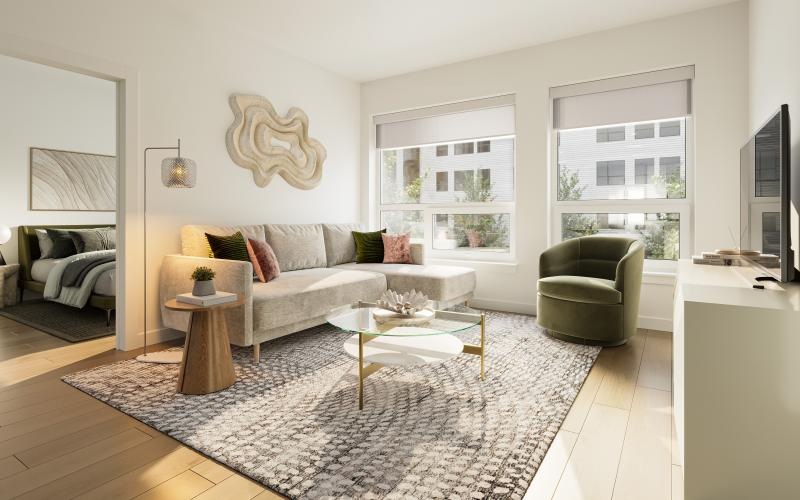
<point x="449" y="123"/>
<point x="647" y="96"/>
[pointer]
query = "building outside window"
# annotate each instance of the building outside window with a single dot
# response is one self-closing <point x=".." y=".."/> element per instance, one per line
<point x="462" y="179"/>
<point x="644" y="170"/>
<point x="442" y="150"/>
<point x="484" y="146"/>
<point x="634" y="185"/>
<point x="611" y="173"/>
<point x="442" y="181"/>
<point x="464" y="148"/>
<point x="645" y="130"/>
<point x="610" y="134"/>
<point x="669" y="129"/>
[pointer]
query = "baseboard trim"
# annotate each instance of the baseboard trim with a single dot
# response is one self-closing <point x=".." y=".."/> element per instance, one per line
<point x="505" y="306"/>
<point x="647" y="322"/>
<point x="654" y="323"/>
<point x="153" y="337"/>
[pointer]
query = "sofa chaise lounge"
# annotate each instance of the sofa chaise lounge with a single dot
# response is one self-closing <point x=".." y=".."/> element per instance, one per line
<point x="318" y="274"/>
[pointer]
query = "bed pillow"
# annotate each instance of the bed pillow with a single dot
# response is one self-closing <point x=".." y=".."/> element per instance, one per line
<point x="45" y="244"/>
<point x="92" y="240"/>
<point x="63" y="246"/>
<point x="265" y="263"/>
<point x="396" y="248"/>
<point x="369" y="246"/>
<point x="231" y="247"/>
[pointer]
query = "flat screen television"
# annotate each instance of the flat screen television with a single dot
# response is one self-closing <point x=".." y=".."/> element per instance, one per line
<point x="769" y="204"/>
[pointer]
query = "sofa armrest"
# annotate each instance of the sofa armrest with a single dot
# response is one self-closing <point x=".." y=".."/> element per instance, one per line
<point x="232" y="276"/>
<point x="560" y="259"/>
<point x="418" y="253"/>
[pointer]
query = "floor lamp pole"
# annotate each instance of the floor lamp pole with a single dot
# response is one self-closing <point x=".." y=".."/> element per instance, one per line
<point x="164" y="357"/>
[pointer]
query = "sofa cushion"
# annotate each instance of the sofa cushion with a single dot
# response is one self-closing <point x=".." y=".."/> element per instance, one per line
<point x="440" y="283"/>
<point x="580" y="289"/>
<point x="369" y="246"/>
<point x="195" y="244"/>
<point x="297" y="246"/>
<point x="340" y="247"/>
<point x="233" y="247"/>
<point x="308" y="293"/>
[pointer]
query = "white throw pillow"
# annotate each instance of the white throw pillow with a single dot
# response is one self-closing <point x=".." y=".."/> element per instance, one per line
<point x="45" y="244"/>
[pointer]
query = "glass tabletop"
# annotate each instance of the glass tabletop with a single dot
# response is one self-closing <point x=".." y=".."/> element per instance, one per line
<point x="358" y="318"/>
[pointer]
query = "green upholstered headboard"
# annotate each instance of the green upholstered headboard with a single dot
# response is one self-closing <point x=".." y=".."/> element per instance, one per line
<point x="29" y="245"/>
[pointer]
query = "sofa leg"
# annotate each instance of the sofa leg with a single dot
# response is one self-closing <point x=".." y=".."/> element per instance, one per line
<point x="256" y="353"/>
<point x="108" y="317"/>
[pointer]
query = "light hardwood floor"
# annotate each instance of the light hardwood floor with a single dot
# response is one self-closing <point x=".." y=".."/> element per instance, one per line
<point x="56" y="442"/>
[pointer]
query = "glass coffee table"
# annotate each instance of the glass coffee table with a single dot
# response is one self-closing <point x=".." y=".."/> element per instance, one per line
<point x="376" y="345"/>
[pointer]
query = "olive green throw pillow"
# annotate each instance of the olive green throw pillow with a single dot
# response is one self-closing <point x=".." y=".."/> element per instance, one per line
<point x="369" y="246"/>
<point x="231" y="247"/>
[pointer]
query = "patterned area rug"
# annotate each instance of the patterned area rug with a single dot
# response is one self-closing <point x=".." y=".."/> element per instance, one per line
<point x="65" y="322"/>
<point x="292" y="422"/>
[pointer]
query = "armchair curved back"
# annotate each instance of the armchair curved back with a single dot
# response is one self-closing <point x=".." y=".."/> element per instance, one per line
<point x="599" y="256"/>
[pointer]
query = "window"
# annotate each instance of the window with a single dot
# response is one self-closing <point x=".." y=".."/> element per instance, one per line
<point x="610" y="134"/>
<point x="619" y="157"/>
<point x="660" y="232"/>
<point x="771" y="233"/>
<point x="610" y="173"/>
<point x="644" y="170"/>
<point x="464" y="148"/>
<point x="669" y="129"/>
<point x="463" y="179"/>
<point x="645" y="130"/>
<point x="456" y="192"/>
<point x="441" y="182"/>
<point x="485" y="178"/>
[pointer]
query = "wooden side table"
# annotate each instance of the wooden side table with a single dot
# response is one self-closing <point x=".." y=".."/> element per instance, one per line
<point x="9" y="275"/>
<point x="207" y="364"/>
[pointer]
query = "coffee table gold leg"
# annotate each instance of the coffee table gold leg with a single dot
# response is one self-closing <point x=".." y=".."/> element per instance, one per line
<point x="360" y="371"/>
<point x="483" y="343"/>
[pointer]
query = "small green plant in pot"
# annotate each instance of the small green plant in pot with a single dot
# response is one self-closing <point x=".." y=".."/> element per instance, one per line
<point x="203" y="281"/>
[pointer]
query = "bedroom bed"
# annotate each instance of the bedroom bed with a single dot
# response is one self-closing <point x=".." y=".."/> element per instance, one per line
<point x="91" y="275"/>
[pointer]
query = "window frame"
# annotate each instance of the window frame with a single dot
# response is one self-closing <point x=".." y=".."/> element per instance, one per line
<point x="682" y="206"/>
<point x="429" y="210"/>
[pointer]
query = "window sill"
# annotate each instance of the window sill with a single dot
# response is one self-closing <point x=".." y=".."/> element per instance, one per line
<point x="494" y="266"/>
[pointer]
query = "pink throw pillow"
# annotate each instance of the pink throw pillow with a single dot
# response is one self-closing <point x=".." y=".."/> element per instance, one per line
<point x="396" y="248"/>
<point x="265" y="263"/>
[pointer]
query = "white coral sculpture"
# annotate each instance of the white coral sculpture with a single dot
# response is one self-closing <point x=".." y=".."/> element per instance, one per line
<point x="403" y="303"/>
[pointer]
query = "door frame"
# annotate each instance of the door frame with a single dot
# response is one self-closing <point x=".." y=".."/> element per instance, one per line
<point x="129" y="214"/>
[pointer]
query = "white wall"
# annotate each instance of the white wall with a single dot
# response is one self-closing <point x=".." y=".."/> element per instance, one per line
<point x="188" y="66"/>
<point x="774" y="68"/>
<point x="54" y="109"/>
<point x="714" y="40"/>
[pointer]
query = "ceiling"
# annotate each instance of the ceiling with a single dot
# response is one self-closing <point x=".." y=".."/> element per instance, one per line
<point x="365" y="40"/>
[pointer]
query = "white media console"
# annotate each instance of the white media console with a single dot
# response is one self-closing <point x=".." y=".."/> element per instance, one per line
<point x="736" y="384"/>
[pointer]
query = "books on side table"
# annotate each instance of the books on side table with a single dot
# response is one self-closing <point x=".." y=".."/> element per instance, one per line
<point x="740" y="259"/>
<point x="206" y="300"/>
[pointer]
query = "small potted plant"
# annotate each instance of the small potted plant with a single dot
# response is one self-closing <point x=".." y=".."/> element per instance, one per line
<point x="203" y="281"/>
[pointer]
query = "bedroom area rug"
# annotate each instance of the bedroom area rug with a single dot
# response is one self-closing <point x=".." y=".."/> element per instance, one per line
<point x="65" y="322"/>
<point x="292" y="421"/>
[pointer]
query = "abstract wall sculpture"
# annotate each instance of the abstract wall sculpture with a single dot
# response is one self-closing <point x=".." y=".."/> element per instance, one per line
<point x="267" y="143"/>
<point x="65" y="180"/>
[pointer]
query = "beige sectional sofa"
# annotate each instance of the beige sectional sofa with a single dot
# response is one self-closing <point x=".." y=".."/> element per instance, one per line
<point x="318" y="274"/>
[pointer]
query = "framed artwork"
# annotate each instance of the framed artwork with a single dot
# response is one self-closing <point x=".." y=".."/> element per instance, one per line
<point x="72" y="181"/>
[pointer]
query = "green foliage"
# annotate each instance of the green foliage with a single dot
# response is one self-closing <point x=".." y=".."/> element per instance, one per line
<point x="404" y="221"/>
<point x="203" y="273"/>
<point x="479" y="190"/>
<point x="568" y="188"/>
<point x="413" y="190"/>
<point x="573" y="225"/>
<point x="480" y="230"/>
<point x="661" y="238"/>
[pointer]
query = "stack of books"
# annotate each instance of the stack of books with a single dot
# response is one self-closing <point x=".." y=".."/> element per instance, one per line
<point x="718" y="259"/>
<point x="728" y="259"/>
<point x="206" y="300"/>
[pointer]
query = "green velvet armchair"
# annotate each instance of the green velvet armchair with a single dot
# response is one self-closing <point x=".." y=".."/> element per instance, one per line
<point x="588" y="289"/>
